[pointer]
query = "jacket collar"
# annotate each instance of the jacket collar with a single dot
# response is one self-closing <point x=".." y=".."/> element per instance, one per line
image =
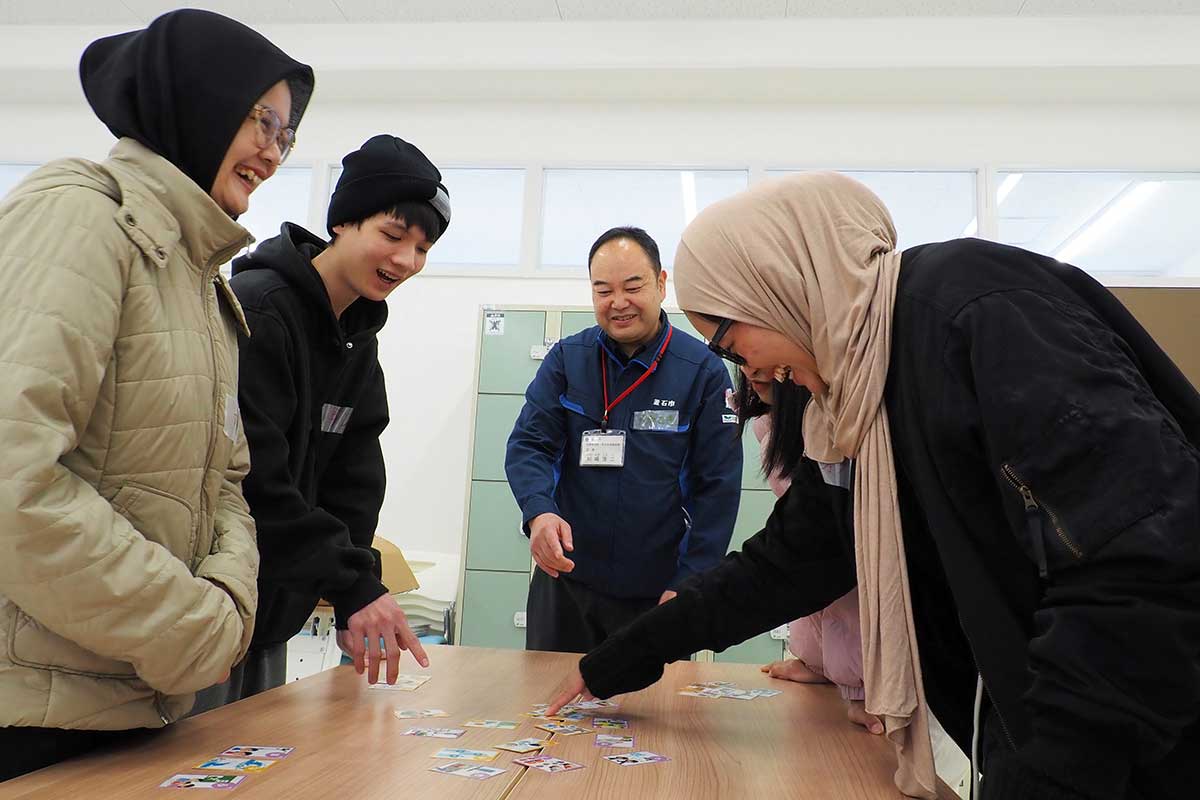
<point x="162" y="209"/>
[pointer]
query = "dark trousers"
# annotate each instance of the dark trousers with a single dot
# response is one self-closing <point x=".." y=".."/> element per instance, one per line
<point x="565" y="616"/>
<point x="24" y="750"/>
<point x="263" y="668"/>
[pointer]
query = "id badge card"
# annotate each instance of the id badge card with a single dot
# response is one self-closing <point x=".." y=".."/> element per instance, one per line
<point x="602" y="449"/>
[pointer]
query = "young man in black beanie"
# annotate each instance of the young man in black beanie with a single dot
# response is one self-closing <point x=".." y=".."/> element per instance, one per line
<point x="313" y="404"/>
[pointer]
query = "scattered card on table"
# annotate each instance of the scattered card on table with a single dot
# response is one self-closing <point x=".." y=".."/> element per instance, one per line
<point x="462" y="754"/>
<point x="473" y="771"/>
<point x="185" y="781"/>
<point x="633" y="759"/>
<point x="766" y="692"/>
<point x="547" y="763"/>
<point x="607" y="722"/>
<point x="404" y="683"/>
<point x="497" y="724"/>
<point x="237" y="764"/>
<point x="271" y="751"/>
<point x="436" y="733"/>
<point x="524" y="745"/>
<point x="419" y="713"/>
<point x="590" y="705"/>
<point x="613" y="740"/>
<point x="561" y="728"/>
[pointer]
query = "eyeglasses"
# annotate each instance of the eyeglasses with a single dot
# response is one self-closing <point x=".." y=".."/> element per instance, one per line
<point x="269" y="130"/>
<point x="718" y="335"/>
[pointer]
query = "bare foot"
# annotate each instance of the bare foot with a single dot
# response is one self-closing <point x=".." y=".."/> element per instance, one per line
<point x="856" y="712"/>
<point x="793" y="669"/>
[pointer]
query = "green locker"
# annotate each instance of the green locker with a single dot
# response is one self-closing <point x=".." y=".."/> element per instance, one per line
<point x="753" y="511"/>
<point x="490" y="599"/>
<point x="575" y="321"/>
<point x="494" y="419"/>
<point x="495" y="540"/>
<point x="506" y="365"/>
<point x="762" y="649"/>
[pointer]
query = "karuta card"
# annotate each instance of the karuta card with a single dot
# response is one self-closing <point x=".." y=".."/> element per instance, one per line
<point x="419" y="713"/>
<point x="435" y="733"/>
<point x="561" y="728"/>
<point x="633" y="759"/>
<point x="766" y="692"/>
<point x="237" y="764"/>
<point x="462" y="754"/>
<point x="613" y="740"/>
<point x="404" y="683"/>
<point x="547" y="763"/>
<point x="590" y="705"/>
<point x="185" y="781"/>
<point x="495" y="724"/>
<point x="524" y="745"/>
<point x="271" y="751"/>
<point x="472" y="771"/>
<point x="608" y="722"/>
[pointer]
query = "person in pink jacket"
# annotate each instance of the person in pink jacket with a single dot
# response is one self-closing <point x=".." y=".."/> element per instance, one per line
<point x="827" y="645"/>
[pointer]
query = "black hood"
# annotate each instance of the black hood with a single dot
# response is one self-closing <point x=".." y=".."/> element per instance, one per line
<point x="184" y="85"/>
<point x="290" y="256"/>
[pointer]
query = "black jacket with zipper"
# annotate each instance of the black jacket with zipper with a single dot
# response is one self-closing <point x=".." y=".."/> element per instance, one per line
<point x="1049" y="488"/>
<point x="313" y="402"/>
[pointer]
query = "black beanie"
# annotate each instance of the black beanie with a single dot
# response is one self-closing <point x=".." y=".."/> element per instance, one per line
<point x="385" y="171"/>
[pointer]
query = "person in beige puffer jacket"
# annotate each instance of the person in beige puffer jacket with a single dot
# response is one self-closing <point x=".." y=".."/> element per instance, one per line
<point x="127" y="555"/>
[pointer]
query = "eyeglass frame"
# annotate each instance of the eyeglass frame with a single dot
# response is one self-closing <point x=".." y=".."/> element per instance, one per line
<point x="719" y="334"/>
<point x="258" y="112"/>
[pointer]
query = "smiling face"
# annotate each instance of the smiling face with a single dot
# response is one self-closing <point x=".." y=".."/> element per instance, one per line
<point x="627" y="295"/>
<point x="765" y="352"/>
<point x="247" y="163"/>
<point x="371" y="258"/>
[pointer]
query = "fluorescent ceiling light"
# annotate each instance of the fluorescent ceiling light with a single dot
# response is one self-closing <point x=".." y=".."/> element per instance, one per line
<point x="1129" y="199"/>
<point x="687" y="182"/>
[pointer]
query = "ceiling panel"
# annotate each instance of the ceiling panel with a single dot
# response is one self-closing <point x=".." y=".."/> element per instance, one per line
<point x="255" y="12"/>
<point x="903" y="8"/>
<point x="1099" y="8"/>
<point x="573" y="10"/>
<point x="65" y="12"/>
<point x="448" y="10"/>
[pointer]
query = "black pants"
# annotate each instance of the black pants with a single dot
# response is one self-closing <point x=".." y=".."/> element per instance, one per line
<point x="24" y="750"/>
<point x="565" y="616"/>
<point x="263" y="668"/>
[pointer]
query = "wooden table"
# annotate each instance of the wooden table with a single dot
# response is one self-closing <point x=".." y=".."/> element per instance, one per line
<point x="349" y="744"/>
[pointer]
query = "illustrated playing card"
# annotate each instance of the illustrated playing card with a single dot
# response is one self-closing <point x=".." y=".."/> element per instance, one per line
<point x="436" y="733"/>
<point x="613" y="740"/>
<point x="498" y="724"/>
<point x="547" y="763"/>
<point x="271" y="751"/>
<point x="590" y="705"/>
<point x="462" y="754"/>
<point x="422" y="713"/>
<point x="608" y="722"/>
<point x="633" y="759"/>
<point x="766" y="692"/>
<point x="237" y="764"/>
<point x="185" y="781"/>
<point x="524" y="745"/>
<point x="473" y="771"/>
<point x="561" y="728"/>
<point x="404" y="683"/>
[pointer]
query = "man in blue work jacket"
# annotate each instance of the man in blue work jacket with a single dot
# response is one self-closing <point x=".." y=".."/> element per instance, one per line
<point x="625" y="456"/>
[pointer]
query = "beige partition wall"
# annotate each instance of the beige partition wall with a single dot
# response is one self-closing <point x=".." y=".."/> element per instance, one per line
<point x="1172" y="316"/>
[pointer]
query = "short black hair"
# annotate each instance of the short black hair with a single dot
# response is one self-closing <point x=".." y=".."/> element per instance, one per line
<point x="636" y="235"/>
<point x="413" y="212"/>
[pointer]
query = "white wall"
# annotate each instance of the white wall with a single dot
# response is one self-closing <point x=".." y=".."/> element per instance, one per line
<point x="428" y="346"/>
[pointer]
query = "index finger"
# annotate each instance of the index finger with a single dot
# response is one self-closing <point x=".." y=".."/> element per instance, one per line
<point x="409" y="641"/>
<point x="564" y="697"/>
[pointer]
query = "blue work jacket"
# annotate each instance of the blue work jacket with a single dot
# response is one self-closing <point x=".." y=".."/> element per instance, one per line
<point x="669" y="511"/>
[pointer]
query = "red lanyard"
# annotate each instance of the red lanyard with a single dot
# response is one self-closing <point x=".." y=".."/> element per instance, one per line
<point x="604" y="373"/>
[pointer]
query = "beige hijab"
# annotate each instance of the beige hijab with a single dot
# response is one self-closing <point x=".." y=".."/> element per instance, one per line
<point x="813" y="257"/>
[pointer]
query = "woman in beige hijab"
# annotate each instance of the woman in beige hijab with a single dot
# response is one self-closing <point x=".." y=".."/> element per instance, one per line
<point x="1025" y="496"/>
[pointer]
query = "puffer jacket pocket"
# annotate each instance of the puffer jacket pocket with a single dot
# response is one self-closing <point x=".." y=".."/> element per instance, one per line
<point x="29" y="644"/>
<point x="162" y="518"/>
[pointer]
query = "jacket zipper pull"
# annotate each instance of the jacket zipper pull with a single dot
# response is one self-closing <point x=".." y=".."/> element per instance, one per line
<point x="1033" y="518"/>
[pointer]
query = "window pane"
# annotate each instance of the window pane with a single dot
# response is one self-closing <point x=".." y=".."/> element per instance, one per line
<point x="11" y="175"/>
<point x="282" y="198"/>
<point x="486" y="209"/>
<point x="925" y="206"/>
<point x="1108" y="223"/>
<point x="580" y="204"/>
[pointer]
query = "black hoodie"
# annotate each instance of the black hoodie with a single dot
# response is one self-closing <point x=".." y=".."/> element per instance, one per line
<point x="313" y="403"/>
